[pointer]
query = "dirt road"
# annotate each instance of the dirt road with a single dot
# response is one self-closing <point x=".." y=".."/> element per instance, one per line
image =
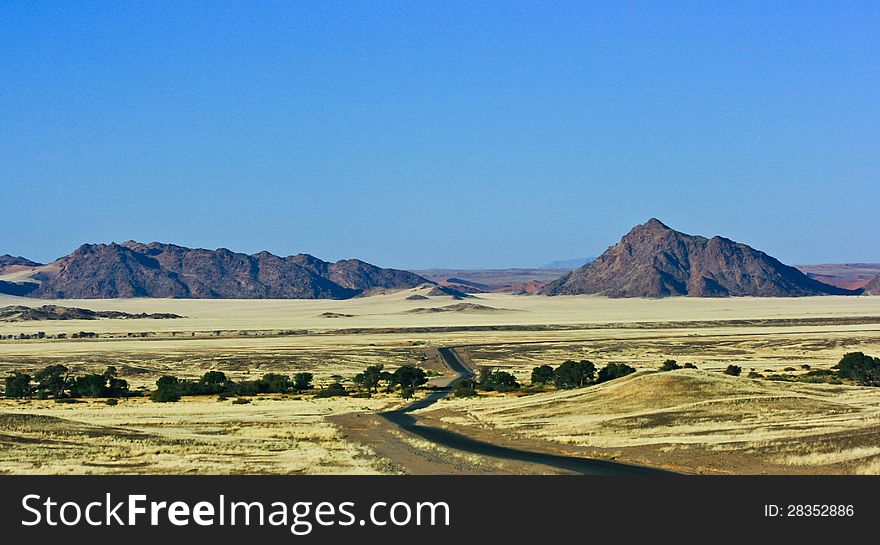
<point x="416" y="448"/>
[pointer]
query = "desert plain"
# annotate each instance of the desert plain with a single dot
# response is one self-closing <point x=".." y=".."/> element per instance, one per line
<point x="689" y="420"/>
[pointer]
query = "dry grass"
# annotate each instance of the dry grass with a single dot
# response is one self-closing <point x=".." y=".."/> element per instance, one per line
<point x="818" y="426"/>
<point x="783" y="426"/>
<point x="197" y="435"/>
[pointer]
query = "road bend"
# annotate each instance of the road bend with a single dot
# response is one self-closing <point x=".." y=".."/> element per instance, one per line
<point x="407" y="421"/>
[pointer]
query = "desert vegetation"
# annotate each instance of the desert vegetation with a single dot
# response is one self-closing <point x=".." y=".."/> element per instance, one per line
<point x="240" y="359"/>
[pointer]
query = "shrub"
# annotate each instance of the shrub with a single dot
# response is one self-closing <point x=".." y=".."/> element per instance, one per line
<point x="165" y="395"/>
<point x="689" y="366"/>
<point x="754" y="374"/>
<point x="241" y="401"/>
<point x="789" y="369"/>
<point x="860" y="368"/>
<point x="335" y="389"/>
<point x="112" y="401"/>
<point x="733" y="370"/>
<point x="670" y="365"/>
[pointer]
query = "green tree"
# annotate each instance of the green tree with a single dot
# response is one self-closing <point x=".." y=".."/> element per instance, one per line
<point x="613" y="371"/>
<point x="575" y="374"/>
<point x="500" y="381"/>
<point x="18" y="385"/>
<point x="409" y="376"/>
<point x="302" y="381"/>
<point x="861" y="368"/>
<point x="276" y="383"/>
<point x="214" y="377"/>
<point x="371" y="376"/>
<point x="543" y="374"/>
<point x="168" y="389"/>
<point x="92" y="385"/>
<point x="52" y="380"/>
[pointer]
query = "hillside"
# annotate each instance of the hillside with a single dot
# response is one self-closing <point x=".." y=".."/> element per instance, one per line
<point x="132" y="269"/>
<point x="872" y="287"/>
<point x="653" y="260"/>
<point x="697" y="421"/>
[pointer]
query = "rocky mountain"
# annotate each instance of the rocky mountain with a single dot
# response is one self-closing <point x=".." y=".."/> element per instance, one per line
<point x="872" y="287"/>
<point x="653" y="260"/>
<point x="10" y="263"/>
<point x="133" y="269"/>
<point x="6" y="260"/>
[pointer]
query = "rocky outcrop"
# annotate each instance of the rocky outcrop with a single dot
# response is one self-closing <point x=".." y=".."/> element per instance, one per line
<point x="653" y="260"/>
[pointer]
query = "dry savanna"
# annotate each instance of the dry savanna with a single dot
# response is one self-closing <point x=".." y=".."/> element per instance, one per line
<point x="779" y="415"/>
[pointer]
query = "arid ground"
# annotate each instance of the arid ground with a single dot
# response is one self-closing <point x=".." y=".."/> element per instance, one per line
<point x="694" y="421"/>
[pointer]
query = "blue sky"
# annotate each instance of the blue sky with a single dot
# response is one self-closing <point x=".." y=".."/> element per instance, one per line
<point x="423" y="134"/>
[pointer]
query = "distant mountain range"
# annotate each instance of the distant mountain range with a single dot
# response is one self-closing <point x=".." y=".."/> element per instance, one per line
<point x="653" y="260"/>
<point x="132" y="269"/>
<point x="843" y="275"/>
<point x="568" y="264"/>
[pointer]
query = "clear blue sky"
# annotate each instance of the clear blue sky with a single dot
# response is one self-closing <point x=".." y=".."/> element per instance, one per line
<point x="421" y="134"/>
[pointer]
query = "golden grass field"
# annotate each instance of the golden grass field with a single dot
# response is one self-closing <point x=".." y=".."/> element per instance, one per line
<point x="713" y="422"/>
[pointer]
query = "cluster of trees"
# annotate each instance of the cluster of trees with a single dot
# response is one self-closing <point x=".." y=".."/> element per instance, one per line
<point x="55" y="381"/>
<point x="568" y="375"/>
<point x="406" y="377"/>
<point x="577" y="374"/>
<point x="489" y="380"/>
<point x="170" y="388"/>
<point x="492" y="380"/>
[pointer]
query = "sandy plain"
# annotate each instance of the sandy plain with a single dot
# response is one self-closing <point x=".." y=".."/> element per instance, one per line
<point x="788" y="427"/>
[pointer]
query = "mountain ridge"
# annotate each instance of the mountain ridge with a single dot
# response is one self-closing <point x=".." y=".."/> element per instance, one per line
<point x="155" y="269"/>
